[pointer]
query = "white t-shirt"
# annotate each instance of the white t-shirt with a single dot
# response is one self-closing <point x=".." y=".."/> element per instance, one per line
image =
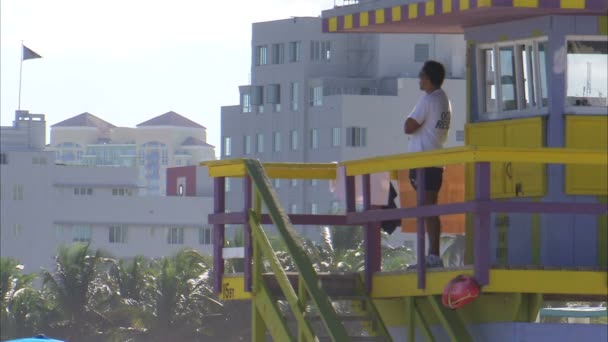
<point x="433" y="112"/>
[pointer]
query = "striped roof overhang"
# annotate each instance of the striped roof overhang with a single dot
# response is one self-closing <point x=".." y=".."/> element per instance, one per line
<point x="446" y="16"/>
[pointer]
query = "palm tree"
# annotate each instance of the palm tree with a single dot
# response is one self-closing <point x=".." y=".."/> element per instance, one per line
<point x="23" y="309"/>
<point x="79" y="288"/>
<point x="183" y="297"/>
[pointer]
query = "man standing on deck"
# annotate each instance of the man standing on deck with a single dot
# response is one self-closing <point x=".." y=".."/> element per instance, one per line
<point x="428" y="125"/>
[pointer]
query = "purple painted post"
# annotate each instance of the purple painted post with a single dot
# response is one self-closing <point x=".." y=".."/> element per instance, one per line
<point x="247" y="233"/>
<point x="372" y="237"/>
<point x="481" y="237"/>
<point x="420" y="231"/>
<point x="350" y="193"/>
<point x="219" y="205"/>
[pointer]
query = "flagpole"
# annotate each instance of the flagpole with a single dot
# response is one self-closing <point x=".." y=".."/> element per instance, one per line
<point x="20" y="74"/>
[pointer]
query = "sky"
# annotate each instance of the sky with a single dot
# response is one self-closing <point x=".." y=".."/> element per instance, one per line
<point x="127" y="61"/>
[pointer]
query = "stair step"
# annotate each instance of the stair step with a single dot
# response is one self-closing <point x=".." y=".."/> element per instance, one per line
<point x="344" y="318"/>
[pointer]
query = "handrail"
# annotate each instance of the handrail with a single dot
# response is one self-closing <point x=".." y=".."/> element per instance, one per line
<point x="295" y="247"/>
<point x="236" y="168"/>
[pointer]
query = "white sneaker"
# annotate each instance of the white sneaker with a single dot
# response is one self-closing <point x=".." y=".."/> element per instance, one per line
<point x="432" y="261"/>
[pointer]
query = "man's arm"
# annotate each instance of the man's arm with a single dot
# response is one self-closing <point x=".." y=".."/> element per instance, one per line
<point x="410" y="126"/>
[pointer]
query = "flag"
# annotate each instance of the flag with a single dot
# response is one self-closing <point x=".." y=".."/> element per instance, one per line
<point x="29" y="54"/>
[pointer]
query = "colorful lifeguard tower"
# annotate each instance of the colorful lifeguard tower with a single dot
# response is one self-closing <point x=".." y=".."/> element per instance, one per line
<point x="536" y="159"/>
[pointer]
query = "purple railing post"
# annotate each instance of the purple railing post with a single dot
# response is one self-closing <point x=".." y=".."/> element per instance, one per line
<point x="349" y="193"/>
<point x="420" y="231"/>
<point x="481" y="237"/>
<point x="247" y="233"/>
<point x="219" y="206"/>
<point x="372" y="237"/>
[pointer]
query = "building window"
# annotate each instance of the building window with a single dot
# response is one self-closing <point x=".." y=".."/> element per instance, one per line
<point x="335" y="207"/>
<point x="294" y="182"/>
<point x="314" y="182"/>
<point x="512" y="77"/>
<point x="294" y="96"/>
<point x="83" y="191"/>
<point x="460" y="135"/>
<point x="335" y="136"/>
<point x="295" y="51"/>
<point x="118" y="234"/>
<point x="314" y="208"/>
<point x="247" y="144"/>
<point x="421" y="53"/>
<point x="260" y="142"/>
<point x="314" y="138"/>
<point x="320" y="51"/>
<point x="261" y="55"/>
<point x="294" y="140"/>
<point x="277" y="183"/>
<point x="273" y="96"/>
<point x="587" y="79"/>
<point x="17" y="228"/>
<point x="39" y="160"/>
<point x="246" y="103"/>
<point x="356" y="136"/>
<point x="204" y="236"/>
<point x="276" y="141"/>
<point x="293" y="209"/>
<point x="316" y="96"/>
<point x="3" y="159"/>
<point x="175" y="236"/>
<point x="278" y="53"/>
<point x="81" y="233"/>
<point x="18" y="192"/>
<point x="227" y="184"/>
<point x="227" y="146"/>
<point x="121" y="192"/>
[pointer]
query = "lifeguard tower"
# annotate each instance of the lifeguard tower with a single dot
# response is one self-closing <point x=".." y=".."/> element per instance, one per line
<point x="536" y="159"/>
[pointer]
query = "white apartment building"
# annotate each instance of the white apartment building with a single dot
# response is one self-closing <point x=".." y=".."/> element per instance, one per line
<point x="44" y="205"/>
<point x="152" y="146"/>
<point x="318" y="97"/>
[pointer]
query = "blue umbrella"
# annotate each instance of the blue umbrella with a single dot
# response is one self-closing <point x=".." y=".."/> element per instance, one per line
<point x="38" y="338"/>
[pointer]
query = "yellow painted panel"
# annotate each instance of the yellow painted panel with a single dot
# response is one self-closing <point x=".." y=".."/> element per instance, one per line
<point x="484" y="3"/>
<point x="396" y="11"/>
<point x="363" y="19"/>
<point x="429" y="8"/>
<point x="587" y="132"/>
<point x="464" y="5"/>
<point x="233" y="288"/>
<point x="501" y="281"/>
<point x="525" y="179"/>
<point x="577" y="4"/>
<point x="348" y="21"/>
<point x="525" y="3"/>
<point x="603" y="25"/>
<point x="490" y="134"/>
<point x="380" y="16"/>
<point x="333" y="24"/>
<point x="412" y="11"/>
<point x="447" y="6"/>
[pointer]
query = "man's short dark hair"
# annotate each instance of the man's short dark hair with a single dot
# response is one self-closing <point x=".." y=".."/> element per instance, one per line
<point x="435" y="72"/>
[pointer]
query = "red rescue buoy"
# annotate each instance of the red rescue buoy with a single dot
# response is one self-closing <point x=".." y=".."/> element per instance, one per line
<point x="460" y="291"/>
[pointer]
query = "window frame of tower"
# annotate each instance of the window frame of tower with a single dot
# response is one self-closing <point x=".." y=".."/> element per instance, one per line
<point x="356" y="136"/>
<point x="259" y="142"/>
<point x="82" y="233"/>
<point x="246" y="103"/>
<point x="261" y="55"/>
<point x="278" y="53"/>
<point x="293" y="140"/>
<point x="316" y="96"/>
<point x="336" y="138"/>
<point x="525" y="75"/>
<point x="227" y="146"/>
<point x="247" y="144"/>
<point x="175" y="235"/>
<point x="589" y="45"/>
<point x="295" y="51"/>
<point x="118" y="234"/>
<point x="227" y="184"/>
<point x="273" y="96"/>
<point x="421" y="52"/>
<point x="294" y="95"/>
<point x="276" y="141"/>
<point x="3" y="158"/>
<point x="204" y="236"/>
<point x="314" y="138"/>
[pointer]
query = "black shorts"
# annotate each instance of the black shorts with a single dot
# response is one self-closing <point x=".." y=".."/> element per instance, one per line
<point x="433" y="178"/>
